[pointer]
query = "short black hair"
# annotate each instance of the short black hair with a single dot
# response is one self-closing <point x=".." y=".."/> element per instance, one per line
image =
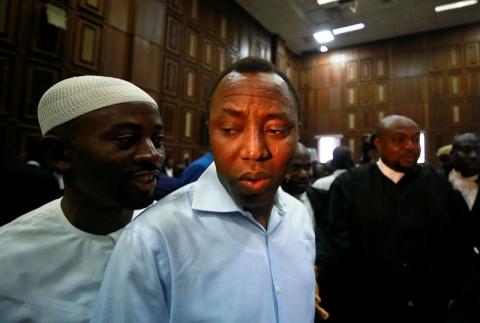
<point x="255" y="65"/>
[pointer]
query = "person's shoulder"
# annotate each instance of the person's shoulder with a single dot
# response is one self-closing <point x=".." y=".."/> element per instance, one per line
<point x="356" y="174"/>
<point x="167" y="212"/>
<point x="291" y="205"/>
<point x="432" y="177"/>
<point x="320" y="183"/>
<point x="36" y="220"/>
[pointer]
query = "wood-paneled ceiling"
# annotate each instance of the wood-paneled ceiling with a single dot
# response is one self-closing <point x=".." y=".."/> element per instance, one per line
<point x="295" y="21"/>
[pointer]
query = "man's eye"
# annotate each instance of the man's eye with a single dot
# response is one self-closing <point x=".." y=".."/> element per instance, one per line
<point x="158" y="141"/>
<point x="230" y="130"/>
<point x="126" y="142"/>
<point x="278" y="131"/>
<point x="398" y="140"/>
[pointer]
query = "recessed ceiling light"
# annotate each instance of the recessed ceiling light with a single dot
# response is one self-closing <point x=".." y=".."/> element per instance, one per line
<point x="322" y="2"/>
<point x="455" y="5"/>
<point x="323" y="36"/>
<point x="323" y="49"/>
<point x="348" y="29"/>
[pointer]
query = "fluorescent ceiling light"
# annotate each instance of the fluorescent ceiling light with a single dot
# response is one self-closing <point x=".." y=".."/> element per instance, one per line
<point x="348" y="29"/>
<point x="455" y="5"/>
<point x="323" y="49"/>
<point x="322" y="2"/>
<point x="323" y="36"/>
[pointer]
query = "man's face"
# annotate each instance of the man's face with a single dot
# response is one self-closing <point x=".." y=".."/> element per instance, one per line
<point x="253" y="128"/>
<point x="116" y="154"/>
<point x="299" y="175"/>
<point x="466" y="155"/>
<point x="399" y="146"/>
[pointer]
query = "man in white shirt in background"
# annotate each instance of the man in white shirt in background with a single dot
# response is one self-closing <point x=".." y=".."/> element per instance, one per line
<point x="105" y="136"/>
<point x="341" y="161"/>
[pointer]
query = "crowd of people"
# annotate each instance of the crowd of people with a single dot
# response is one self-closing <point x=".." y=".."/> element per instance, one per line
<point x="255" y="230"/>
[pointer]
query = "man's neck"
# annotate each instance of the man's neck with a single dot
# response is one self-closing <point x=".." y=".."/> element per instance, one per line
<point x="394" y="175"/>
<point x="261" y="214"/>
<point x="93" y="217"/>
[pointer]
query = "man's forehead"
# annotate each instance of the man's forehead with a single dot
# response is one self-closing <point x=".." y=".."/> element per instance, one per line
<point x="403" y="129"/>
<point x="241" y="83"/>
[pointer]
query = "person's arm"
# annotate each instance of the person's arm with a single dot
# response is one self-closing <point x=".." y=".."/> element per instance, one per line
<point x="133" y="289"/>
<point x="319" y="310"/>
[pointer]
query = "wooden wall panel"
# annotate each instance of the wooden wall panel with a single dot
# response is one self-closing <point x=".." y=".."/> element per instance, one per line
<point x="472" y="54"/>
<point x="170" y="77"/>
<point x="189" y="84"/>
<point x="87" y="44"/>
<point x="474" y="108"/>
<point x="206" y="87"/>
<point x="168" y="112"/>
<point x="119" y="15"/>
<point x="380" y="68"/>
<point x="192" y="42"/>
<point x="93" y="6"/>
<point x="6" y="65"/>
<point x="473" y="83"/>
<point x="192" y="9"/>
<point x="352" y="71"/>
<point x="146" y="64"/>
<point x="454" y="57"/>
<point x="8" y="20"/>
<point x="39" y="77"/>
<point x="365" y="70"/>
<point x="189" y="124"/>
<point x="116" y="52"/>
<point x="150" y="21"/>
<point x="207" y="54"/>
<point x="49" y="37"/>
<point x="173" y="37"/>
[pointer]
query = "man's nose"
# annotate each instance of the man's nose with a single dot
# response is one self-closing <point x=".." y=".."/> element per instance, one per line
<point x="412" y="144"/>
<point x="148" y="152"/>
<point x="254" y="145"/>
<point x="473" y="153"/>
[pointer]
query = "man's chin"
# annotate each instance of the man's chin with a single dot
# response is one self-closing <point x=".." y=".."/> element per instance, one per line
<point x="405" y="168"/>
<point x="137" y="202"/>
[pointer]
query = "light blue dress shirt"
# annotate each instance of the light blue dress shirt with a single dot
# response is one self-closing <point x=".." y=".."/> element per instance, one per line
<point x="196" y="256"/>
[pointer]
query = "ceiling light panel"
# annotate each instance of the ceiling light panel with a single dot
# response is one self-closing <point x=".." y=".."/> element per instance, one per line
<point x="455" y="5"/>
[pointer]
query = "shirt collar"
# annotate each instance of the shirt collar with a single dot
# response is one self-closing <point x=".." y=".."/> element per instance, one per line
<point x="457" y="176"/>
<point x="209" y="195"/>
<point x="393" y="175"/>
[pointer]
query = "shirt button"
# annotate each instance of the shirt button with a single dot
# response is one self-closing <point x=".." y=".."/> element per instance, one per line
<point x="277" y="290"/>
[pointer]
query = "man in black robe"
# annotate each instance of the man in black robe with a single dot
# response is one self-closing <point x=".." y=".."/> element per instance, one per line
<point x="393" y="236"/>
<point x="464" y="176"/>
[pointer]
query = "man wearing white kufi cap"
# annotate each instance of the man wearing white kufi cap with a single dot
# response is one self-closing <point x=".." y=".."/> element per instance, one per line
<point x="105" y="136"/>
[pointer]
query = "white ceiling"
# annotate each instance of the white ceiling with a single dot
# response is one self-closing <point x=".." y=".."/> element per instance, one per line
<point x="295" y="21"/>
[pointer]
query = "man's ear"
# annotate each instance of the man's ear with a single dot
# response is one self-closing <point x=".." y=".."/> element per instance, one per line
<point x="56" y="153"/>
<point x="377" y="143"/>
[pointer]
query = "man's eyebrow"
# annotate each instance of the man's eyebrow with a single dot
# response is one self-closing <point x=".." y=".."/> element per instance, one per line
<point x="133" y="126"/>
<point x="233" y="112"/>
<point x="268" y="116"/>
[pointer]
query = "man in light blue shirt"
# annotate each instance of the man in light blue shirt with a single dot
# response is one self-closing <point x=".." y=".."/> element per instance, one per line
<point x="231" y="247"/>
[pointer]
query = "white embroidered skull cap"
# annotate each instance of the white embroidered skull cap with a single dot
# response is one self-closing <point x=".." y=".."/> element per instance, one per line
<point x="73" y="97"/>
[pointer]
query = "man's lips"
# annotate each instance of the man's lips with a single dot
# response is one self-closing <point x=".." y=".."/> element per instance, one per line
<point x="409" y="157"/>
<point x="145" y="180"/>
<point x="255" y="181"/>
